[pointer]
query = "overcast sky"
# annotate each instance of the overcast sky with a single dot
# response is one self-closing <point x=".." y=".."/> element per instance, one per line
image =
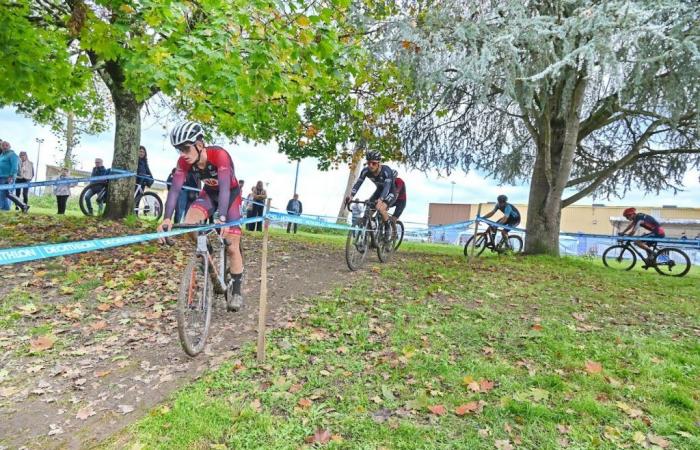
<point x="319" y="191"/>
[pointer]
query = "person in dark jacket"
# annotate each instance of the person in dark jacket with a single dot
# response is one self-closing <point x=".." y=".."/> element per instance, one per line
<point x="144" y="178"/>
<point x="96" y="187"/>
<point x="294" y="208"/>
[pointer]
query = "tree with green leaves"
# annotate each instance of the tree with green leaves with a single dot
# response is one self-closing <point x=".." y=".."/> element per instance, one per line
<point x="582" y="97"/>
<point x="245" y="68"/>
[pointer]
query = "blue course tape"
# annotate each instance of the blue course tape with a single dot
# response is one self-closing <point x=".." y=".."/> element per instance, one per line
<point x="302" y="220"/>
<point x="56" y="182"/>
<point x="25" y="254"/>
<point x="685" y="242"/>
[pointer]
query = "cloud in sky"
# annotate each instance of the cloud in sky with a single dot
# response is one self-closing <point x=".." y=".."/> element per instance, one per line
<point x="320" y="191"/>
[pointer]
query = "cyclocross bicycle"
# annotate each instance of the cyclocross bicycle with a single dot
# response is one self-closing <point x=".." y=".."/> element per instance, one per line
<point x="206" y="274"/>
<point x="669" y="261"/>
<point x="146" y="203"/>
<point x="487" y="239"/>
<point x="373" y="233"/>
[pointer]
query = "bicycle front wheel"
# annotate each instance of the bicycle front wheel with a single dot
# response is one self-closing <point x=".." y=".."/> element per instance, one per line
<point x="194" y="306"/>
<point x="148" y="205"/>
<point x="479" y="240"/>
<point x="619" y="257"/>
<point x="356" y="248"/>
<point x="672" y="262"/>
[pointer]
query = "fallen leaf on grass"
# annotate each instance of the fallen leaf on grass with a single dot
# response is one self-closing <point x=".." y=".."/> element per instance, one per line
<point x="41" y="343"/>
<point x="486" y="385"/>
<point x="55" y="429"/>
<point x="34" y="369"/>
<point x="102" y="373"/>
<point x="293" y="389"/>
<point x="305" y="403"/>
<point x="504" y="444"/>
<point x="487" y="351"/>
<point x="466" y="408"/>
<point x="84" y="413"/>
<point x="438" y="410"/>
<point x="8" y="391"/>
<point x="632" y="412"/>
<point x="99" y="325"/>
<point x="578" y="316"/>
<point x="319" y="437"/>
<point x="256" y="405"/>
<point x="535" y="327"/>
<point x="593" y="367"/>
<point x="657" y="440"/>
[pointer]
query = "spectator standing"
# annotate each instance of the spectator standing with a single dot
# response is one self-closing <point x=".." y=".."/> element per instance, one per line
<point x="357" y="210"/>
<point x="25" y="174"/>
<point x="143" y="172"/>
<point x="294" y="207"/>
<point x="62" y="191"/>
<point x="9" y="165"/>
<point x="96" y="187"/>
<point x="249" y="209"/>
<point x="259" y="197"/>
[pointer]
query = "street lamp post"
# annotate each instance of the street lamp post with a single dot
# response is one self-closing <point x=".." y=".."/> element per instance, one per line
<point x="296" y="177"/>
<point x="39" y="141"/>
<point x="453" y="191"/>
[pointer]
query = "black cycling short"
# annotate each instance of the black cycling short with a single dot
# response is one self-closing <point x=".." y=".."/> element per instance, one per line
<point x="513" y="221"/>
<point x="400" y="206"/>
<point x="390" y="200"/>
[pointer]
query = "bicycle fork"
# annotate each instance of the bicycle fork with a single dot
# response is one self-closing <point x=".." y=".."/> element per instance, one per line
<point x="203" y="249"/>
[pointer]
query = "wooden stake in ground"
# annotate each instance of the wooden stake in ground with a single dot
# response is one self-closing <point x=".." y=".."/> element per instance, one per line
<point x="262" y="313"/>
<point x="470" y="250"/>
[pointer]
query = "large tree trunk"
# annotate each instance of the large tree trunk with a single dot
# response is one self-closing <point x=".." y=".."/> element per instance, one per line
<point x="355" y="165"/>
<point x="127" y="137"/>
<point x="556" y="145"/>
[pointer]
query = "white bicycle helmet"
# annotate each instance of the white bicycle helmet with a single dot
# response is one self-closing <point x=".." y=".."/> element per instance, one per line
<point x="186" y="133"/>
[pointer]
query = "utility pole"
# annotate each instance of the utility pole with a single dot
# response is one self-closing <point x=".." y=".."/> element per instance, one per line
<point x="39" y="141"/>
<point x="296" y="177"/>
<point x="453" y="191"/>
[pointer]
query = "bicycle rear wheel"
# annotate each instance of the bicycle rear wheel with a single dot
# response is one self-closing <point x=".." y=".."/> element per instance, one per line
<point x="148" y="205"/>
<point x="672" y="262"/>
<point x="82" y="201"/>
<point x="515" y="244"/>
<point x="356" y="248"/>
<point x="386" y="241"/>
<point x="479" y="245"/>
<point x="194" y="306"/>
<point x="399" y="234"/>
<point x="619" y="257"/>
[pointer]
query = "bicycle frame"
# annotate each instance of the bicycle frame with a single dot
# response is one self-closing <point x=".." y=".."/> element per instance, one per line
<point x="629" y="244"/>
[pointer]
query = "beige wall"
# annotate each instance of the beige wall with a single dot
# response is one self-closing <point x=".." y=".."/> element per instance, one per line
<point x="577" y="218"/>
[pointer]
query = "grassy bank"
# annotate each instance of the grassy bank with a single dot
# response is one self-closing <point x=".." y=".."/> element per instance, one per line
<point x="430" y="353"/>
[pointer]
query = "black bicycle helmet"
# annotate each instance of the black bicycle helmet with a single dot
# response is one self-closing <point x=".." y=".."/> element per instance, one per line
<point x="373" y="155"/>
<point x="502" y="198"/>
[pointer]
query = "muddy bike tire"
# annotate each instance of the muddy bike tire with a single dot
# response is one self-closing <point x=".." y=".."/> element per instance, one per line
<point x="385" y="247"/>
<point x="148" y="205"/>
<point x="672" y="262"/>
<point x="194" y="305"/>
<point x="356" y="248"/>
<point x="619" y="257"/>
<point x="479" y="246"/>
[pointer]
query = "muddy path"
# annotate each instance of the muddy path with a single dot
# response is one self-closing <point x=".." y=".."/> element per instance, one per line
<point x="88" y="343"/>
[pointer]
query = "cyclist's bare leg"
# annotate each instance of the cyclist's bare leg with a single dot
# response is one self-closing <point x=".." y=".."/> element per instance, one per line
<point x="233" y="251"/>
<point x="381" y="207"/>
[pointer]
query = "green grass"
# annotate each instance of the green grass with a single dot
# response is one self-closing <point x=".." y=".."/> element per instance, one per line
<point x="374" y="358"/>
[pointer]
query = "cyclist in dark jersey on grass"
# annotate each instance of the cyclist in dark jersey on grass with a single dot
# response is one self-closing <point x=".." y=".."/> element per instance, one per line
<point x="383" y="178"/>
<point x="649" y="223"/>
<point x="220" y="198"/>
<point x="511" y="215"/>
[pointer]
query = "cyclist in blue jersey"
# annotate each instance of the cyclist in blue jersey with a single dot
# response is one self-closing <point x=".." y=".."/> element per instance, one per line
<point x="511" y="215"/>
<point x="383" y="178"/>
<point x="649" y="223"/>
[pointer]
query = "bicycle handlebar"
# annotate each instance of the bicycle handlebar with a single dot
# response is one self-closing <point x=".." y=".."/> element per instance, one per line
<point x="371" y="204"/>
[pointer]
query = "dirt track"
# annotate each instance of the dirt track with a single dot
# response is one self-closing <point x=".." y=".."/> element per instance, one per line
<point x="115" y="352"/>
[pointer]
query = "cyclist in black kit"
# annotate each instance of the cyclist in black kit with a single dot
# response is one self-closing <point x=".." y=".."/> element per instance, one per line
<point x="383" y="178"/>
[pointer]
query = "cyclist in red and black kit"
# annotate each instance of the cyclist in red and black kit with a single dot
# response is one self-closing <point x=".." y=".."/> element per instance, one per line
<point x="383" y="178"/>
<point x="220" y="198"/>
<point x="645" y="221"/>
